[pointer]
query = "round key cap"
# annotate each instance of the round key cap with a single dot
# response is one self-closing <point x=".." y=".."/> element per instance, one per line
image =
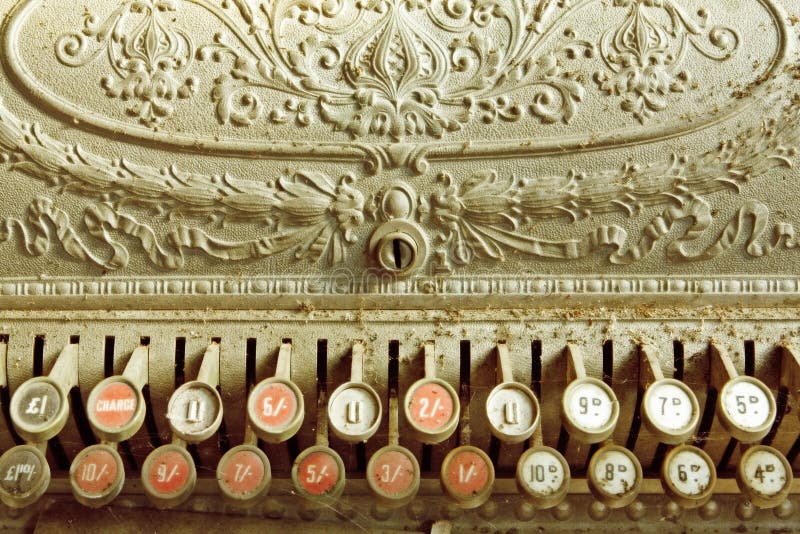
<point x="764" y="476"/>
<point x="168" y="476"/>
<point x="513" y="412"/>
<point x="688" y="475"/>
<point x="275" y="409"/>
<point x="467" y="476"/>
<point x="615" y="476"/>
<point x="96" y="475"/>
<point x="39" y="409"/>
<point x="24" y="476"/>
<point x="116" y="409"/>
<point x="244" y="476"/>
<point x="589" y="410"/>
<point x="393" y="475"/>
<point x="194" y="411"/>
<point x="432" y="409"/>
<point x="670" y="411"/>
<point x="354" y="412"/>
<point x="543" y="475"/>
<point x="746" y="408"/>
<point x="318" y="474"/>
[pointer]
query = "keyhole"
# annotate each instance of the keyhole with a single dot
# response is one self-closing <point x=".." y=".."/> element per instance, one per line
<point x="397" y="252"/>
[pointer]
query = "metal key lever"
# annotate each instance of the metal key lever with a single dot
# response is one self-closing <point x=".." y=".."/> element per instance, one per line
<point x="115" y="406"/>
<point x="354" y="408"/>
<point x="431" y="405"/>
<point x="275" y="406"/>
<point x="39" y="410"/>
<point x="589" y="407"/>
<point x="116" y="411"/>
<point x="467" y="473"/>
<point x="590" y="411"/>
<point x="790" y="370"/>
<point x="393" y="472"/>
<point x="318" y="472"/>
<point x="511" y="408"/>
<point x="543" y="476"/>
<point x="669" y="407"/>
<point x="745" y="406"/>
<point x="40" y="406"/>
<point x="194" y="413"/>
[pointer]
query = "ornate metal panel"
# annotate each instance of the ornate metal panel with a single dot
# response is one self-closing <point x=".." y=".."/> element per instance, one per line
<point x="411" y="147"/>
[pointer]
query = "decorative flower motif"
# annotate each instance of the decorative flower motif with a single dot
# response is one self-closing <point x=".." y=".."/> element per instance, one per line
<point x="644" y="56"/>
<point x="146" y="52"/>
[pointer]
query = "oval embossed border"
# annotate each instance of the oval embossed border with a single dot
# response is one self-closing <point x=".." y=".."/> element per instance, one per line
<point x="377" y="155"/>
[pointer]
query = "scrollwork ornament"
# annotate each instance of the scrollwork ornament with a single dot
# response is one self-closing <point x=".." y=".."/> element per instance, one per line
<point x="148" y="54"/>
<point x="395" y="69"/>
<point x="645" y="58"/>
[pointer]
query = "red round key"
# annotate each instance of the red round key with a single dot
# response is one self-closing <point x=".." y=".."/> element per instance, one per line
<point x="468" y="476"/>
<point x="242" y="473"/>
<point x="169" y="472"/>
<point x="431" y="406"/>
<point x="115" y="405"/>
<point x="169" y="476"/>
<point x="318" y="473"/>
<point x="96" y="471"/>
<point x="275" y="406"/>
<point x="393" y="474"/>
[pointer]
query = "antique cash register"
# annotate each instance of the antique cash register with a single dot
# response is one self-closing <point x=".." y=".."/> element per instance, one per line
<point x="399" y="265"/>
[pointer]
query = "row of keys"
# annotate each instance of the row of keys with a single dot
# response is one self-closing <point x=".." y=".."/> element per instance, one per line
<point x="688" y="476"/>
<point x="590" y="410"/>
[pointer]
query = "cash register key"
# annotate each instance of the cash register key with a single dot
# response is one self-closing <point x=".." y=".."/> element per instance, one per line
<point x="764" y="476"/>
<point x="244" y="476"/>
<point x="543" y="475"/>
<point x="354" y="412"/>
<point x="688" y="475"/>
<point x="275" y="409"/>
<point x="615" y="476"/>
<point x="194" y="411"/>
<point x="168" y="476"/>
<point x="513" y="412"/>
<point x="96" y="475"/>
<point x="432" y="409"/>
<point x="393" y="475"/>
<point x="670" y="411"/>
<point x="467" y="476"/>
<point x="116" y="409"/>
<point x="39" y="409"/>
<point x="589" y="410"/>
<point x="24" y="476"/>
<point x="318" y="474"/>
<point x="746" y="408"/>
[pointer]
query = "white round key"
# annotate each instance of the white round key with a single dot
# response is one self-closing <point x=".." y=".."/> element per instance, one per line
<point x="746" y="408"/>
<point x="354" y="411"/>
<point x="764" y="476"/>
<point x="670" y="411"/>
<point x="513" y="412"/>
<point x="589" y="410"/>
<point x="615" y="476"/>
<point x="543" y="474"/>
<point x="688" y="475"/>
